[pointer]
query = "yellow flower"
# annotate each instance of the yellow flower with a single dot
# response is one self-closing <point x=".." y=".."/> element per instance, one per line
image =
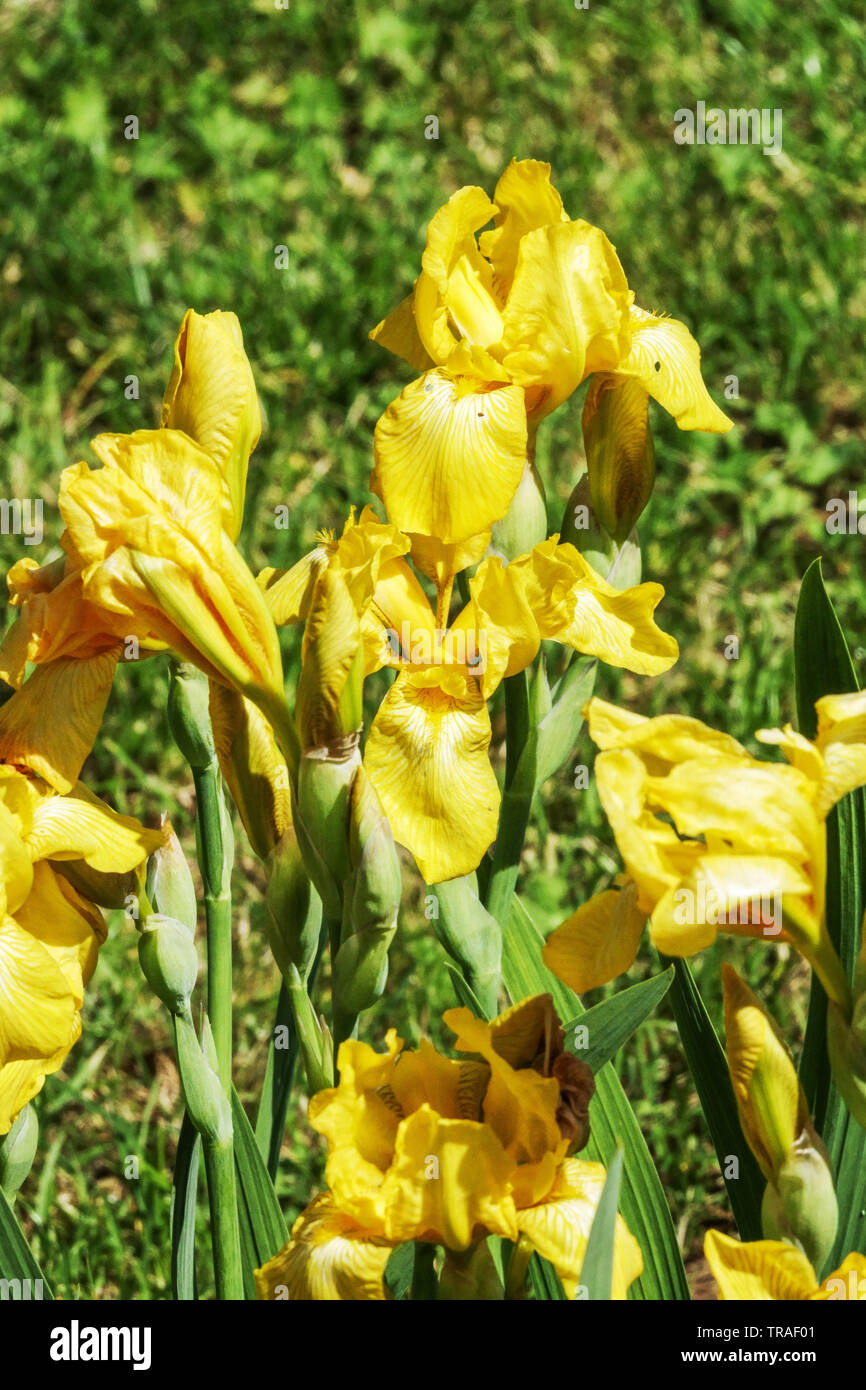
<point x="504" y="329"/>
<point x="713" y="839"/>
<point x="428" y="748"/>
<point x="49" y="932"/>
<point x="427" y="752"/>
<point x="75" y="647"/>
<point x="75" y="639"/>
<point x="211" y="396"/>
<point x="775" y="1271"/>
<point x="145" y="530"/>
<point x="422" y="1147"/>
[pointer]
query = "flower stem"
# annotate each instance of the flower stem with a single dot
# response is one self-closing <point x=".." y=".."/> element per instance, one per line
<point x="516" y="802"/>
<point x="220" y="1168"/>
<point x="218" y="915"/>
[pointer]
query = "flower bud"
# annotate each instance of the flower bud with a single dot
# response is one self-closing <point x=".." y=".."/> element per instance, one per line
<point x="205" y="1099"/>
<point x="620" y="565"/>
<point x="524" y="525"/>
<point x="619" y="451"/>
<point x="371" y="903"/>
<point x="325" y="780"/>
<point x="253" y="766"/>
<point x="169" y="882"/>
<point x="188" y="716"/>
<point x="169" y="961"/>
<point x="800" y="1203"/>
<point x="17" y="1151"/>
<point x="211" y="396"/>
<point x="294" y="910"/>
<point x="330" y="686"/>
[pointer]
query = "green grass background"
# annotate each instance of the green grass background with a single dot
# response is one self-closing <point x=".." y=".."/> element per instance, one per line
<point x="304" y="126"/>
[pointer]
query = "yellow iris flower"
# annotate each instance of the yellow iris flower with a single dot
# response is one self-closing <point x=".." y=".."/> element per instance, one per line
<point x="49" y="932"/>
<point x="145" y="530"/>
<point x="423" y="1147"/>
<point x="64" y="628"/>
<point x="772" y="1270"/>
<point x="505" y="328"/>
<point x="427" y="752"/>
<point x="713" y="839"/>
<point x="211" y="396"/>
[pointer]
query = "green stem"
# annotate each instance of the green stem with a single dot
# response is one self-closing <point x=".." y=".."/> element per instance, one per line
<point x="317" y="1060"/>
<point x="222" y="1194"/>
<point x="516" y="802"/>
<point x="518" y="1268"/>
<point x="218" y="916"/>
<point x="425" y="1285"/>
<point x="821" y="956"/>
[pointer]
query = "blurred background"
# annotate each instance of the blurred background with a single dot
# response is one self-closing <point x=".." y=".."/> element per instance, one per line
<point x="261" y="126"/>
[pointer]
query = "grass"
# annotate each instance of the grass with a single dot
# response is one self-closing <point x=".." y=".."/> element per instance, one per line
<point x="305" y="128"/>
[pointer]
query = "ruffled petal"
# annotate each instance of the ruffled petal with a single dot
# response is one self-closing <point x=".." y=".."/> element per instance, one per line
<point x="667" y="361"/>
<point x="427" y="757"/>
<point x="526" y="199"/>
<point x="559" y="1228"/>
<point x="501" y="620"/>
<point x="450" y="452"/>
<point x="574" y="605"/>
<point x="449" y="1182"/>
<point x="567" y="313"/>
<point x="21" y="1081"/>
<point x="455" y="286"/>
<point x="80" y="826"/>
<point x="663" y="741"/>
<point x="50" y="725"/>
<point x="211" y="396"/>
<point x="328" y="1258"/>
<point x="598" y="942"/>
<point x="739" y="894"/>
<point x="758" y="1270"/>
<point x="842" y="742"/>
<point x="846" y="1282"/>
<point x="38" y="1008"/>
<point x="520" y="1104"/>
<point x="399" y="334"/>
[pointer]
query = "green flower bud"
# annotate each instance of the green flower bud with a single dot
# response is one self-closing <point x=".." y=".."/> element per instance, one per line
<point x="800" y="1201"/>
<point x="294" y="910"/>
<point x="205" y="1099"/>
<point x="17" y="1151"/>
<point x="325" y="778"/>
<point x="188" y="716"/>
<point x="371" y="903"/>
<point x="169" y="881"/>
<point x="471" y="936"/>
<point x="620" y="565"/>
<point x="525" y="523"/>
<point x="169" y="961"/>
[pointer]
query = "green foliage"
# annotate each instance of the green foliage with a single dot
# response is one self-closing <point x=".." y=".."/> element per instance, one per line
<point x="304" y="127"/>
